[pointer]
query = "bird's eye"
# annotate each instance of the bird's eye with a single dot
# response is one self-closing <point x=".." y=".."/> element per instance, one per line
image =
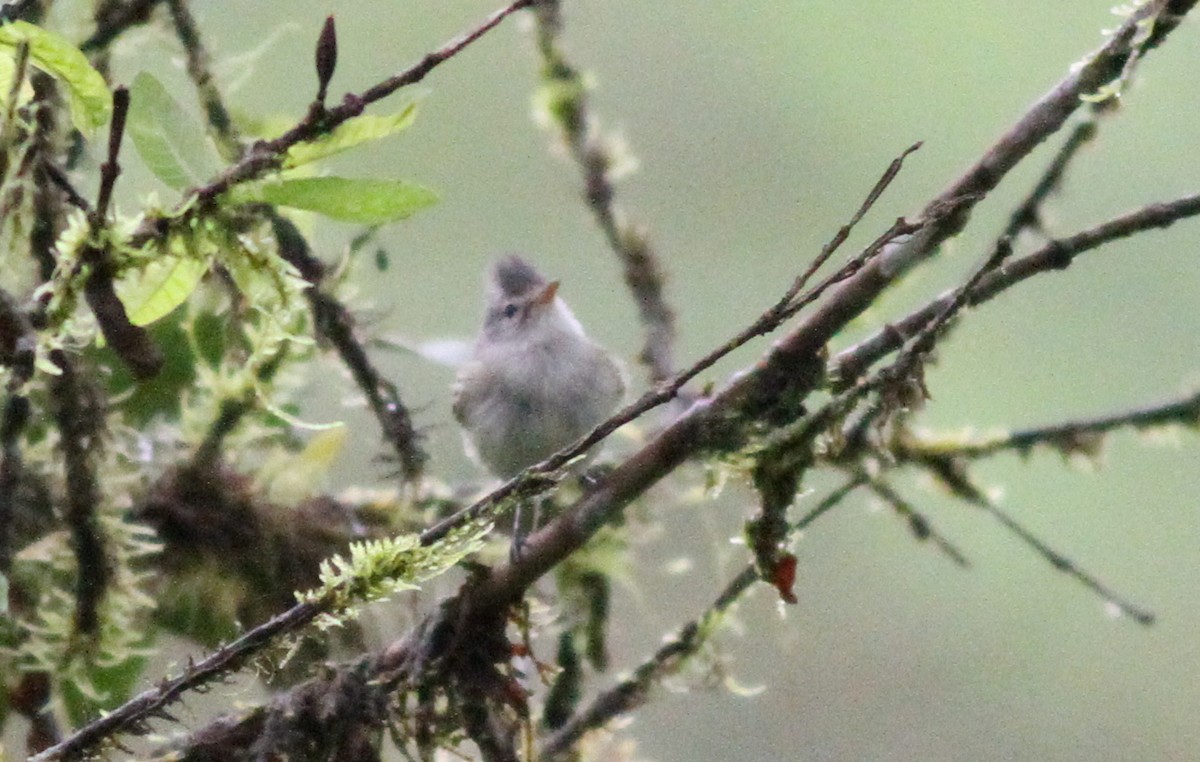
<point x="510" y="310"/>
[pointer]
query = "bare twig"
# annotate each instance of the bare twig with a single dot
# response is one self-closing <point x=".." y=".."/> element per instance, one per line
<point x="60" y="180"/>
<point x="907" y="367"/>
<point x="1028" y="214"/>
<point x="1072" y="436"/>
<point x="131" y="343"/>
<point x="153" y="702"/>
<point x="954" y="476"/>
<point x="1055" y="255"/>
<point x="596" y="159"/>
<point x="918" y="523"/>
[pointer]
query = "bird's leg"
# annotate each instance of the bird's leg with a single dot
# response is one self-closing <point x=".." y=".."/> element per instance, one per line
<point x="520" y="531"/>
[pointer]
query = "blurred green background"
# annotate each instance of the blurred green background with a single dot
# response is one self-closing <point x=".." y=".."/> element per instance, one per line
<point x="759" y="127"/>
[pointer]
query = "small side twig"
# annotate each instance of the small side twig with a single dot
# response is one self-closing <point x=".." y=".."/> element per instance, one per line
<point x="1028" y="214"/>
<point x="951" y="473"/>
<point x="596" y="159"/>
<point x="153" y="702"/>
<point x="908" y="367"/>
<point x="1055" y="255"/>
<point x="1071" y="436"/>
<point x="918" y="523"/>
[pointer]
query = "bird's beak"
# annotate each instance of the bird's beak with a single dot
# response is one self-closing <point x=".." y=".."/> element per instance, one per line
<point x="547" y="294"/>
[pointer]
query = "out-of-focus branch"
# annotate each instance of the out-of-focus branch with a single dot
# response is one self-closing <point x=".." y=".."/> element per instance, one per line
<point x="113" y="18"/>
<point x="217" y="115"/>
<point x="79" y="419"/>
<point x="953" y="475"/>
<point x="596" y="156"/>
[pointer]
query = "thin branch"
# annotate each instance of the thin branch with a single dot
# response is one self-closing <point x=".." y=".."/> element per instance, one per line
<point x="131" y="343"/>
<point x="1055" y="255"/>
<point x="59" y="179"/>
<point x="597" y="158"/>
<point x="918" y="523"/>
<point x="954" y="476"/>
<point x="110" y="170"/>
<point x="907" y="367"/>
<point x="1028" y="214"/>
<point x="1072" y="436"/>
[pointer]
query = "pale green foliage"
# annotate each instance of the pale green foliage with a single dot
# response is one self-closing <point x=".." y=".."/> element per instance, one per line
<point x="171" y="142"/>
<point x="376" y="569"/>
<point x="90" y="99"/>
<point x="363" y="129"/>
<point x="165" y="278"/>
<point x="364" y="201"/>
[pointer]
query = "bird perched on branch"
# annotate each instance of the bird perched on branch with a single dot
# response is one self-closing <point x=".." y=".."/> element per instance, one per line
<point x="535" y="382"/>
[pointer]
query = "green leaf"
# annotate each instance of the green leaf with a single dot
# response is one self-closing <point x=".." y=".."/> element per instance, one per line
<point x="171" y="141"/>
<point x="362" y="129"/>
<point x="160" y="287"/>
<point x="91" y="102"/>
<point x="369" y="202"/>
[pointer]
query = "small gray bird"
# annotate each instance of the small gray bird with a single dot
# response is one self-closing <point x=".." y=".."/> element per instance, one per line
<point x="535" y="382"/>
